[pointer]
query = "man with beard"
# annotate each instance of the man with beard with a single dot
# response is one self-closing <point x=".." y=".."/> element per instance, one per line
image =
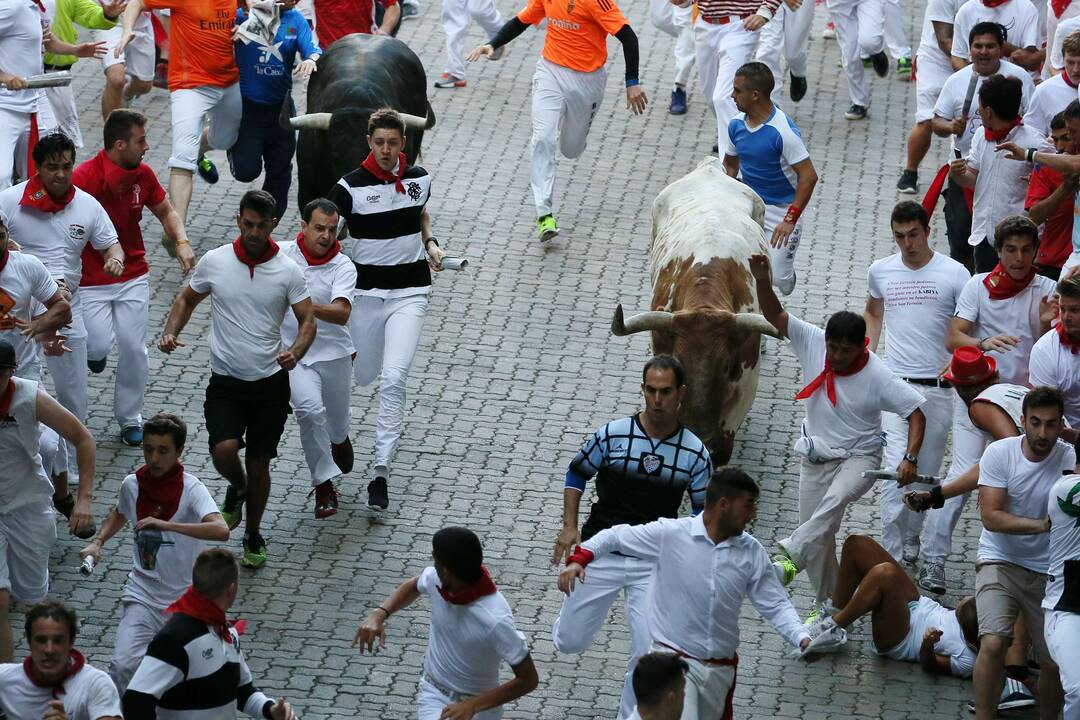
<point x="1055" y="361"/>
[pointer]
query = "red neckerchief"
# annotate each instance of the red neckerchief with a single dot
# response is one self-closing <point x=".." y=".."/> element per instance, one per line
<point x="6" y="397"/>
<point x="159" y="496"/>
<point x="828" y="376"/>
<point x="196" y="605"/>
<point x="75" y="663"/>
<point x="482" y="587"/>
<point x="40" y="5"/>
<point x="372" y="167"/>
<point x="238" y="248"/>
<point x="311" y="259"/>
<point x="1001" y="285"/>
<point x="1059" y="6"/>
<point x="994" y="3"/>
<point x="36" y="196"/>
<point x="1073" y="345"/>
<point x="1000" y="135"/>
<point x="117" y="180"/>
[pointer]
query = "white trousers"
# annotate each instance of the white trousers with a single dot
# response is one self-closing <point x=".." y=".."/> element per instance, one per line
<point x="138" y="625"/>
<point x="782" y="259"/>
<point x="1062" y="630"/>
<point x="585" y="609"/>
<point x="968" y="443"/>
<point x="787" y="34"/>
<point x="456" y="15"/>
<point x="385" y="334"/>
<point x="897" y="522"/>
<point x="319" y="393"/>
<point x="69" y="379"/>
<point x="721" y="50"/>
<point x="13" y="126"/>
<point x="118" y="312"/>
<point x="678" y="23"/>
<point x="564" y="103"/>
<point x="896" y="39"/>
<point x="859" y="34"/>
<point x="27" y="533"/>
<point x="195" y="107"/>
<point x="64" y="112"/>
<point x="825" y="491"/>
<point x="708" y="689"/>
<point x="431" y="701"/>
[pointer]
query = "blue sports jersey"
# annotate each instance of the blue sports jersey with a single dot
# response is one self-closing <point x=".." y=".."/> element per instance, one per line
<point x="766" y="154"/>
<point x="639" y="479"/>
<point x="266" y="70"/>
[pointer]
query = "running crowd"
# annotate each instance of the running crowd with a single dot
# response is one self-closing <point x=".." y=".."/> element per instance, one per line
<point x="988" y="363"/>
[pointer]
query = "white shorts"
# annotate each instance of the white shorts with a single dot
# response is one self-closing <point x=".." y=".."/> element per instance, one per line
<point x="138" y="57"/>
<point x="27" y="533"/>
<point x="192" y="108"/>
<point x="929" y="79"/>
<point x="908" y="650"/>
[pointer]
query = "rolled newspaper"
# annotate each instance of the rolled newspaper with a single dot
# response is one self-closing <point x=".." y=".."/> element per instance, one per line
<point x="891" y="475"/>
<point x="454" y="263"/>
<point x="53" y="79"/>
<point x="87" y="566"/>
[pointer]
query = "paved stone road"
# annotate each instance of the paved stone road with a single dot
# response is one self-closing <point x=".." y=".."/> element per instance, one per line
<point x="516" y="366"/>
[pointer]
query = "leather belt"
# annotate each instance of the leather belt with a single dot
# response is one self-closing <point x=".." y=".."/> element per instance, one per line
<point x="726" y="19"/>
<point x="455" y="696"/>
<point x="720" y="662"/>
<point x="929" y="382"/>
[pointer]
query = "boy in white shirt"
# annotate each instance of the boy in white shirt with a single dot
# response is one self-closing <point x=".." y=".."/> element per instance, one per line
<point x="472" y="629"/>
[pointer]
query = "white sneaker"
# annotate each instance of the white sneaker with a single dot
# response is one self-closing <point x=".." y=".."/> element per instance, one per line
<point x="911" y="550"/>
<point x="825" y="637"/>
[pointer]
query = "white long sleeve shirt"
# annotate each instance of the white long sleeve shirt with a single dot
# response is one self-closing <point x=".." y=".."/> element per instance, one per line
<point x="699" y="586"/>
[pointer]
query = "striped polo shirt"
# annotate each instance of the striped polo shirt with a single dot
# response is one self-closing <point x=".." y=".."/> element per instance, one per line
<point x="384" y="227"/>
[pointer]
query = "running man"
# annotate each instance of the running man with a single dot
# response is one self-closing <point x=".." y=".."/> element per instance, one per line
<point x="568" y="84"/>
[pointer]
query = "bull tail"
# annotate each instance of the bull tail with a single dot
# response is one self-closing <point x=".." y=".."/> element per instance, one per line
<point x="430" y="117"/>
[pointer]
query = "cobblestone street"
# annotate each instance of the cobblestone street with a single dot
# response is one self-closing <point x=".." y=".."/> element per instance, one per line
<point x="516" y="368"/>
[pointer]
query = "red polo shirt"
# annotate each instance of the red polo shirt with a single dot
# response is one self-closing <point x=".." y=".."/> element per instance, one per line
<point x="335" y="19"/>
<point x="123" y="194"/>
<point x="1055" y="245"/>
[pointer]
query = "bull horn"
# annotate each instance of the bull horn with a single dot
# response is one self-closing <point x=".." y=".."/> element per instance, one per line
<point x="312" y="121"/>
<point x="753" y="322"/>
<point x="413" y="121"/>
<point x="642" y="322"/>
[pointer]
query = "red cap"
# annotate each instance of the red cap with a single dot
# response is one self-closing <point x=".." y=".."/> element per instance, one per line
<point x="970" y="366"/>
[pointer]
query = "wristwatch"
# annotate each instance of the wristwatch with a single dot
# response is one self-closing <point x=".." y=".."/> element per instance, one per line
<point x="912" y="458"/>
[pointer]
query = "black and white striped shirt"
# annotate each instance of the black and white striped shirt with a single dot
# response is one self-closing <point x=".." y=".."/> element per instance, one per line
<point x="191" y="673"/>
<point x="384" y="225"/>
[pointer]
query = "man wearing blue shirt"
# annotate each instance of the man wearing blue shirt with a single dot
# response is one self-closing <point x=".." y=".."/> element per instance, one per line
<point x="766" y="147"/>
<point x="266" y="71"/>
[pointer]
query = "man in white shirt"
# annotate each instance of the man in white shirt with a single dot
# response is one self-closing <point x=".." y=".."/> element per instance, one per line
<point x="54" y="220"/>
<point x="859" y="33"/>
<point x="1016" y="476"/>
<point x="1054" y="358"/>
<point x="252" y="287"/>
<point x="471" y="631"/>
<point x="955" y="117"/>
<point x="55" y="682"/>
<point x="704" y="567"/>
<point x="914" y="292"/>
<point x="1055" y="59"/>
<point x="1000" y="184"/>
<point x="659" y="683"/>
<point x="1019" y="18"/>
<point x="321" y="384"/>
<point x="848" y="388"/>
<point x="1062" y="602"/>
<point x="174" y="516"/>
<point x="1054" y="95"/>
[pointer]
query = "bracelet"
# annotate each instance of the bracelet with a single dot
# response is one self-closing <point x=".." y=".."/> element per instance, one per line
<point x="183" y="241"/>
<point x="380" y="607"/>
<point x="1030" y="155"/>
<point x="631" y="82"/>
<point x="430" y="240"/>
<point x="792" y="214"/>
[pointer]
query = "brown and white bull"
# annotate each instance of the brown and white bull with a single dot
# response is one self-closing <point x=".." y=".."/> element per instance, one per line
<point x="704" y="304"/>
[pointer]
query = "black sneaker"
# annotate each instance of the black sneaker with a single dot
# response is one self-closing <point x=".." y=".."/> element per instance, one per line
<point x="908" y="183"/>
<point x="856" y="112"/>
<point x="797" y="88"/>
<point x="97" y="366"/>
<point x="207" y="170"/>
<point x="880" y="61"/>
<point x="377" y="495"/>
<point x="408" y="12"/>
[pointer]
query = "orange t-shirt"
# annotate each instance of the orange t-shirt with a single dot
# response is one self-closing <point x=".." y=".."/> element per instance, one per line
<point x="200" y="42"/>
<point x="577" y="30"/>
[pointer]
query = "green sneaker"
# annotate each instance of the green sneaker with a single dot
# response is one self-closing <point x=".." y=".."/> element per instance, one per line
<point x="785" y="568"/>
<point x="254" y="552"/>
<point x="207" y="169"/>
<point x="819" y="612"/>
<point x="546" y="228"/>
<point x="903" y="69"/>
<point x="232" y="510"/>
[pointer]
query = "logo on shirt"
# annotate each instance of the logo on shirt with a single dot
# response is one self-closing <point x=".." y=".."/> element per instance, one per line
<point x="77" y="232"/>
<point x="564" y="24"/>
<point x="373" y="198"/>
<point x="651" y="463"/>
<point x="414" y="190"/>
<point x="149" y="543"/>
<point x="207" y="653"/>
<point x="136" y="193"/>
<point x="271" y="51"/>
<point x="570" y="8"/>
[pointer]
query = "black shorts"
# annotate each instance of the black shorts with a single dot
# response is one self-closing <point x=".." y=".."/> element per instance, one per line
<point x="251" y="411"/>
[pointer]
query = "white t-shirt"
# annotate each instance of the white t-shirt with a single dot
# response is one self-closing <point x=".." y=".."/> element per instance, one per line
<point x="326" y="283"/>
<point x="245" y="334"/>
<point x="1003" y="465"/>
<point x="1063" y="584"/>
<point x="1002" y="185"/>
<point x="1019" y="17"/>
<point x="467" y="642"/>
<point x="1064" y="29"/>
<point x="58" y="239"/>
<point x="20" y="51"/>
<point x="1051" y="97"/>
<point x="919" y="305"/>
<point x="950" y="102"/>
<point x="1053" y="364"/>
<point x="929" y="54"/>
<point x="854" y="423"/>
<point x="23" y="280"/>
<point x="88" y="695"/>
<point x="1017" y="316"/>
<point x="928" y="614"/>
<point x="162" y="561"/>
